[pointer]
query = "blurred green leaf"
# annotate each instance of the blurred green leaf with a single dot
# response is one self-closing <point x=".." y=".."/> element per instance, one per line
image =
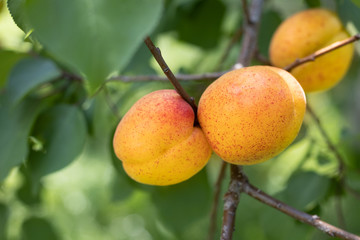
<point x="29" y="192"/>
<point x="28" y="74"/>
<point x="95" y="38"/>
<point x="313" y="3"/>
<point x="15" y="125"/>
<point x="4" y="215"/>
<point x="356" y="2"/>
<point x="63" y="131"/>
<point x="270" y="21"/>
<point x="305" y="190"/>
<point x="16" y="8"/>
<point x="139" y="63"/>
<point x="36" y="228"/>
<point x="199" y="22"/>
<point x="349" y="12"/>
<point x="8" y="59"/>
<point x="193" y="196"/>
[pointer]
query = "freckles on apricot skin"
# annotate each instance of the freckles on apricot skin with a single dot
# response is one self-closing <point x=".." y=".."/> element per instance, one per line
<point x="252" y="114"/>
<point x="303" y="34"/>
<point x="157" y="142"/>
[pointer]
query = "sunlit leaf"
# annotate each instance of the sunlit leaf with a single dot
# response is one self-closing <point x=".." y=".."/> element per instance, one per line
<point x="94" y="38"/>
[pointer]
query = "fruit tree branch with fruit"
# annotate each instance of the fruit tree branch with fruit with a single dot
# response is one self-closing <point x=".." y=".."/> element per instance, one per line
<point x="248" y="130"/>
<point x="239" y="182"/>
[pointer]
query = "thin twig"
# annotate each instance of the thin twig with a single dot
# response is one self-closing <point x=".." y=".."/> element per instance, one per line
<point x="312" y="220"/>
<point x="164" y="67"/>
<point x="261" y="58"/>
<point x="110" y="103"/>
<point x="235" y="38"/>
<point x="331" y="146"/>
<point x="179" y="77"/>
<point x="322" y="51"/>
<point x="231" y="201"/>
<point x="217" y="192"/>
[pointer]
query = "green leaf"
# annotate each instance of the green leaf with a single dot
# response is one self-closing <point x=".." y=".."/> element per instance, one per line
<point x="28" y="74"/>
<point x="8" y="59"/>
<point x="200" y="23"/>
<point x="63" y="132"/>
<point x="36" y="228"/>
<point x="270" y="20"/>
<point x="15" y="125"/>
<point x="356" y="2"/>
<point x="95" y="38"/>
<point x="194" y="195"/>
<point x="28" y="193"/>
<point x="16" y="9"/>
<point x="4" y="215"/>
<point x="305" y="190"/>
<point x="313" y="3"/>
<point x="349" y="12"/>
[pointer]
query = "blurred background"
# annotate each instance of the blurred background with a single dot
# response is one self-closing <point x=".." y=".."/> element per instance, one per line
<point x="59" y="176"/>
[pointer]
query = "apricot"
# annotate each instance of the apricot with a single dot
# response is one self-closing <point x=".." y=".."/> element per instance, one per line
<point x="251" y="114"/>
<point x="304" y="33"/>
<point x="157" y="141"/>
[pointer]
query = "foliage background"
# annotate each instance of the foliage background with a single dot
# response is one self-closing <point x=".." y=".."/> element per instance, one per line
<point x="59" y="176"/>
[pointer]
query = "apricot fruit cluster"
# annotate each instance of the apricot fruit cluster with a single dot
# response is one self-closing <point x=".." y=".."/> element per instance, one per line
<point x="246" y="116"/>
<point x="303" y="34"/>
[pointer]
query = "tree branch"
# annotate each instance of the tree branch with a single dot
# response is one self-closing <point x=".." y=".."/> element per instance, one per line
<point x="322" y="51"/>
<point x="179" y="77"/>
<point x="169" y="74"/>
<point x="249" y="42"/>
<point x="312" y="220"/>
<point x="246" y="11"/>
<point x="248" y="49"/>
<point x="217" y="192"/>
<point x="231" y="201"/>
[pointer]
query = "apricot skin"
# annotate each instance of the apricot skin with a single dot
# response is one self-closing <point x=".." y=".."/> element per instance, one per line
<point x="252" y="114"/>
<point x="304" y="33"/>
<point x="157" y="142"/>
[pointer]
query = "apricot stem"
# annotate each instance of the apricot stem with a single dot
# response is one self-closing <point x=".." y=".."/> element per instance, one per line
<point x="321" y="52"/>
<point x="169" y="74"/>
